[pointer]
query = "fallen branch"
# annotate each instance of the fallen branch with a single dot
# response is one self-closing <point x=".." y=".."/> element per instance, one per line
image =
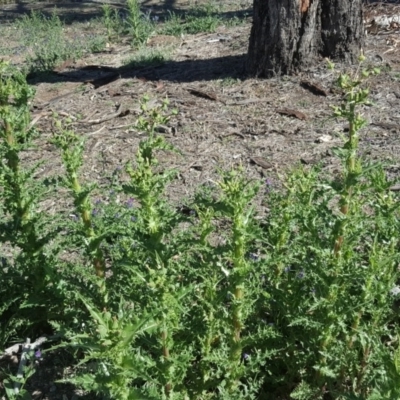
<point x="16" y="348"/>
<point x="120" y="113"/>
<point x="26" y="348"/>
<point x="291" y="113"/>
<point x="96" y="132"/>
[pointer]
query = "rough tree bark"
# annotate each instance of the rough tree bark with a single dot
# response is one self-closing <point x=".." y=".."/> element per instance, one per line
<point x="288" y="35"/>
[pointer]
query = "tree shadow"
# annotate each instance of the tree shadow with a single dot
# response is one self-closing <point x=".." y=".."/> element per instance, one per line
<point x="174" y="71"/>
<point x="231" y="66"/>
<point x="87" y="10"/>
<point x="67" y="11"/>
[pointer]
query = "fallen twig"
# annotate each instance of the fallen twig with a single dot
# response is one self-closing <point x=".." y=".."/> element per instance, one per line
<point x="16" y="348"/>
<point x="248" y="101"/>
<point x="291" y="113"/>
<point x="314" y="88"/>
<point x="96" y="132"/>
<point x="26" y="348"/>
<point x="36" y="119"/>
<point x="120" y="113"/>
<point x="204" y="95"/>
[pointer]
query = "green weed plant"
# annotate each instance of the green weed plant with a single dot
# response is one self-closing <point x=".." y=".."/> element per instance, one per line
<point x="135" y="24"/>
<point x="139" y="25"/>
<point x="111" y="20"/>
<point x="205" y="300"/>
<point x="27" y="272"/>
<point x="195" y="21"/>
<point x="47" y="44"/>
<point x="198" y="19"/>
<point x="147" y="57"/>
<point x="14" y="386"/>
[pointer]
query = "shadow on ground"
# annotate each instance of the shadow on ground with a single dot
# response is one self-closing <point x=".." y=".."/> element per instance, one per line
<point x="174" y="71"/>
<point x="83" y="11"/>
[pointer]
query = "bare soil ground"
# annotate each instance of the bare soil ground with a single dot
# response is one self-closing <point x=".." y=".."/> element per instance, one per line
<point x="225" y="118"/>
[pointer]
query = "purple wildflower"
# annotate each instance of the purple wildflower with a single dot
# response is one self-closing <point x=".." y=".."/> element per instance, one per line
<point x="129" y="203"/>
<point x="38" y="354"/>
<point x="301" y="275"/>
<point x="253" y="256"/>
<point x="268" y="185"/>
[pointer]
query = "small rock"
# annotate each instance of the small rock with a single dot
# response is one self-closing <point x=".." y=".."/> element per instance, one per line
<point x="395" y="291"/>
<point x="37" y="394"/>
<point x="324" y="139"/>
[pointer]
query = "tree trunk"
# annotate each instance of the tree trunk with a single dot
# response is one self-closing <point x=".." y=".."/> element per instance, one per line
<point x="288" y="35"/>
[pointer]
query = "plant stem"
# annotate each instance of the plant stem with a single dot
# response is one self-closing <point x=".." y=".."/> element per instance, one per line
<point x="166" y="355"/>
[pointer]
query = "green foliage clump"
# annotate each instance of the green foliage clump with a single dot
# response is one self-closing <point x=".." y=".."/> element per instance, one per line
<point x="47" y="44"/>
<point x="199" y="19"/>
<point x="26" y="277"/>
<point x="213" y="302"/>
<point x="196" y="21"/>
<point x="135" y="24"/>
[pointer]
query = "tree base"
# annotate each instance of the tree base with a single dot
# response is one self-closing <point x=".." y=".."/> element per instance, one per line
<point x="288" y="35"/>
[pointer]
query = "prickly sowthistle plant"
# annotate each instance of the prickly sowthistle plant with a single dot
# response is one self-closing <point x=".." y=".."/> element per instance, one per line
<point x="213" y="303"/>
<point x="138" y="24"/>
<point x="333" y="256"/>
<point x="28" y="278"/>
<point x="71" y="152"/>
